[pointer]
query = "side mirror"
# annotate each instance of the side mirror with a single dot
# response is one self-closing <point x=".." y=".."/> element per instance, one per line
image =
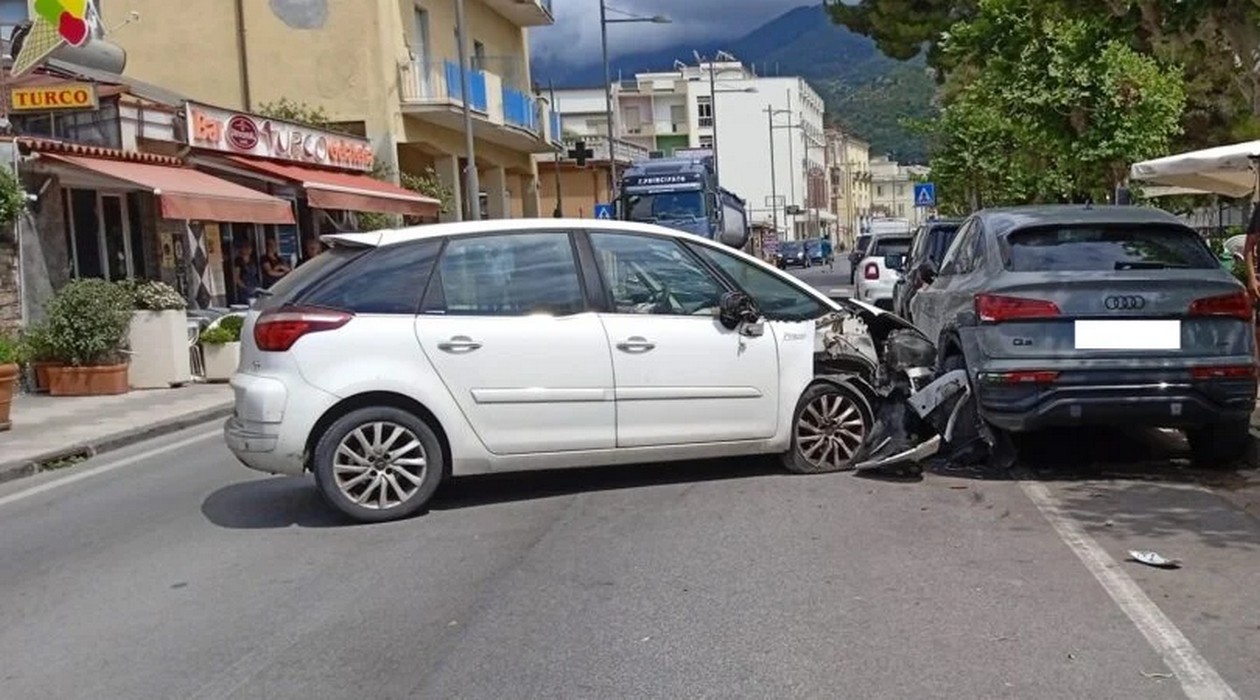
<point x="736" y="309"/>
<point x="928" y="272"/>
<point x="895" y="261"/>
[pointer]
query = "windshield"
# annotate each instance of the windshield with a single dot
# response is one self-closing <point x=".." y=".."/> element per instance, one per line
<point x="1108" y="247"/>
<point x="790" y="247"/>
<point x="666" y="206"/>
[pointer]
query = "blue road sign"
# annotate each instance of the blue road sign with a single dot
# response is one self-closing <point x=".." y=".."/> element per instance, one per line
<point x="604" y="211"/>
<point x="924" y="194"/>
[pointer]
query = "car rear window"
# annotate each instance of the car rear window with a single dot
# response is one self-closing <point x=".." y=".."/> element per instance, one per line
<point x="306" y="275"/>
<point x="939" y="238"/>
<point x="389" y="280"/>
<point x="890" y="246"/>
<point x="1106" y="248"/>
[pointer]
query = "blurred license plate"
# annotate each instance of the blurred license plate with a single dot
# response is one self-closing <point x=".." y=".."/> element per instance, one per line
<point x="1128" y="335"/>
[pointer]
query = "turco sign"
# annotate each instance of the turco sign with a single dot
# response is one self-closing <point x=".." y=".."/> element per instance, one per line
<point x="252" y="135"/>
<point x="51" y="97"/>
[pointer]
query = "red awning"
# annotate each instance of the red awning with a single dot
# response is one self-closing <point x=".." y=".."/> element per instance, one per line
<point x="329" y="189"/>
<point x="184" y="193"/>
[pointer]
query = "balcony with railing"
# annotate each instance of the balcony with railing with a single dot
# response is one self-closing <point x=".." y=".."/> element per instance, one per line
<point x="441" y="85"/>
<point x="520" y="110"/>
<point x="524" y="13"/>
<point x="624" y="151"/>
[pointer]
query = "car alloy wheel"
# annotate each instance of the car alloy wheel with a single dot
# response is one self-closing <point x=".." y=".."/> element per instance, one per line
<point x="380" y="465"/>
<point x="830" y="425"/>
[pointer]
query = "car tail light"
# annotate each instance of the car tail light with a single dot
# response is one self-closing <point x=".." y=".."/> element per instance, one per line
<point x="279" y="329"/>
<point x="1228" y="372"/>
<point x="1236" y="305"/>
<point x="1023" y="377"/>
<point x="871" y="272"/>
<point x="992" y="308"/>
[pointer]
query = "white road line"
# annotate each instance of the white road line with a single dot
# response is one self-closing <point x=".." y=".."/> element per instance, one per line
<point x="1198" y="679"/>
<point x="109" y="467"/>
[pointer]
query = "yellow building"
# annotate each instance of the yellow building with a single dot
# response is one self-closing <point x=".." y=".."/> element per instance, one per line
<point x="849" y="160"/>
<point x="387" y="69"/>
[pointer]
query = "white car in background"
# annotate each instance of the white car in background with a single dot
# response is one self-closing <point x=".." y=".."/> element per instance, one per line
<point x="880" y="268"/>
<point x="399" y="358"/>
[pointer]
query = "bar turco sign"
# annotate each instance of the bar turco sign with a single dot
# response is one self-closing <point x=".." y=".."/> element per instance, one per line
<point x="243" y="134"/>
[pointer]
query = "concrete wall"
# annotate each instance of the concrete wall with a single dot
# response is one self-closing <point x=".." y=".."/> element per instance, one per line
<point x="581" y="189"/>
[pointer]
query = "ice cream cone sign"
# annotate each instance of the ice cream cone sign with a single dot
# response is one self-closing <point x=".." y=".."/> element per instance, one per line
<point x="54" y="23"/>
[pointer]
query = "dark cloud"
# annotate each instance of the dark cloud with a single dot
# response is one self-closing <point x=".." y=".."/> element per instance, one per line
<point x="575" y="35"/>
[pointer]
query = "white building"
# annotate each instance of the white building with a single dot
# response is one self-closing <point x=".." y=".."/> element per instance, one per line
<point x="750" y="118"/>
<point x="892" y="190"/>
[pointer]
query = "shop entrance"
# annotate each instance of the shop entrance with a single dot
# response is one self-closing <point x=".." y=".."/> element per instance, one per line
<point x="105" y="235"/>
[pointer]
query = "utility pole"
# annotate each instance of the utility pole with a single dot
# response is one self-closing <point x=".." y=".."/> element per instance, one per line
<point x="774" y="187"/>
<point x="559" y="212"/>
<point x="608" y="99"/>
<point x="470" y="174"/>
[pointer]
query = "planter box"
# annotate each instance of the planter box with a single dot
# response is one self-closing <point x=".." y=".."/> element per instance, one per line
<point x="87" y="381"/>
<point x="41" y="374"/>
<point x="8" y="385"/>
<point x="159" y="349"/>
<point x="221" y="360"/>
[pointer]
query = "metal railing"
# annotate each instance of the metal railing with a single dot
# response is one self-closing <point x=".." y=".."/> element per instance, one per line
<point x="520" y="109"/>
<point x="441" y="83"/>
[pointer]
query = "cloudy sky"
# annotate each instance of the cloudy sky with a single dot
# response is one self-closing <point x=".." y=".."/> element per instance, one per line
<point x="575" y="35"/>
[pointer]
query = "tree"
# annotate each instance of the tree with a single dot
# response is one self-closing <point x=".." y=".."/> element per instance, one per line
<point x="1042" y="106"/>
<point x="903" y="29"/>
<point x="300" y="113"/>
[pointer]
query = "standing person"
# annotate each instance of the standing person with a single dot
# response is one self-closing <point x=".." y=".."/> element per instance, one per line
<point x="313" y="249"/>
<point x="273" y="266"/>
<point x="245" y="273"/>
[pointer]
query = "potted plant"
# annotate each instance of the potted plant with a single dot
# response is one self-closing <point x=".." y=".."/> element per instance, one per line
<point x="88" y="321"/>
<point x="38" y="354"/>
<point x="158" y="336"/>
<point x="221" y="344"/>
<point x="9" y="367"/>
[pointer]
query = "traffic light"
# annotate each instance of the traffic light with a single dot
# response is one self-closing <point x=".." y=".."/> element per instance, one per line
<point x="580" y="153"/>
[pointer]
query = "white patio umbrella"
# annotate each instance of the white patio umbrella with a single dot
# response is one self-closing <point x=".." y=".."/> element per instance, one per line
<point x="1225" y="170"/>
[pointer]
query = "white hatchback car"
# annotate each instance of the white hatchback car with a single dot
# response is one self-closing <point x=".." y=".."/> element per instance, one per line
<point x="876" y="280"/>
<point x="399" y="358"/>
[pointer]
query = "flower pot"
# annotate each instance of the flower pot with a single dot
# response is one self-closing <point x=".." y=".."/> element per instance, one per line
<point x="101" y="380"/>
<point x="8" y="384"/>
<point x="159" y="349"/>
<point x="221" y="360"/>
<point x="40" y="369"/>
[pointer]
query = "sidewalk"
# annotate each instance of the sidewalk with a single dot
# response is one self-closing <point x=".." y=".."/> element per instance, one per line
<point x="47" y="429"/>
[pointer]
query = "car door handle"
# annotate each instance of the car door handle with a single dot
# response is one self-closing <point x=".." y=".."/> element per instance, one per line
<point x="459" y="343"/>
<point x="636" y="343"/>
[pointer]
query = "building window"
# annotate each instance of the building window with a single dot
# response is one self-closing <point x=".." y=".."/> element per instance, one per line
<point x="879" y="191"/>
<point x="901" y="190"/>
<point x="706" y="141"/>
<point x="901" y="210"/>
<point x="704" y="109"/>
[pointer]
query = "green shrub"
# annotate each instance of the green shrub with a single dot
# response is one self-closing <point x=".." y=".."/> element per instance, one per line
<point x="88" y="322"/>
<point x="151" y="295"/>
<point x="9" y="350"/>
<point x="34" y="345"/>
<point x="228" y="330"/>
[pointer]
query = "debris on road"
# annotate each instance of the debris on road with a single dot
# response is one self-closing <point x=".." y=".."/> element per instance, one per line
<point x="1156" y="676"/>
<point x="1154" y="559"/>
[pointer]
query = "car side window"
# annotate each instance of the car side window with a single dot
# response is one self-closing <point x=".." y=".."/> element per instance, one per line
<point x="976" y="259"/>
<point x="507" y="275"/>
<point x="778" y="300"/>
<point x="388" y="280"/>
<point x="951" y="264"/>
<point x="655" y="275"/>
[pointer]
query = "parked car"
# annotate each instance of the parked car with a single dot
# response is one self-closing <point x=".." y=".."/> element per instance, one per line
<point x="1083" y="315"/>
<point x="820" y="251"/>
<point x="399" y="358"/>
<point x="793" y="254"/>
<point x="931" y="240"/>
<point x="880" y="268"/>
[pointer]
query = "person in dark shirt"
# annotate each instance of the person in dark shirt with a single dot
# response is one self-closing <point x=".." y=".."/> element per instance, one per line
<point x="273" y="266"/>
<point x="245" y="273"/>
<point x="313" y="249"/>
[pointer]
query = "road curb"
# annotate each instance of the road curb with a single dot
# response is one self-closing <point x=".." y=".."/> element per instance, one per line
<point x="18" y="469"/>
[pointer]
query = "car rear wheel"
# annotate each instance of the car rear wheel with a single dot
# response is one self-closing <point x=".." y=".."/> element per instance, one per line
<point x="379" y="463"/>
<point x="1220" y="446"/>
<point x="830" y="424"/>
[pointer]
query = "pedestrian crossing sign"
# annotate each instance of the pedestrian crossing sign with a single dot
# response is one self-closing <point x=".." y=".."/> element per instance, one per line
<point x="604" y="211"/>
<point x="924" y="194"/>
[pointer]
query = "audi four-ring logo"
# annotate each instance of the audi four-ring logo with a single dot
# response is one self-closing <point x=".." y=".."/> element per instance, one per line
<point x="1125" y="303"/>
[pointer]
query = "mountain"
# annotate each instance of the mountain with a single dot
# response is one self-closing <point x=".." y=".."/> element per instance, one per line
<point x="864" y="90"/>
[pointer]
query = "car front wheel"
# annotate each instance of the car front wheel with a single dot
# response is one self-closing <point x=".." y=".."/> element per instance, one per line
<point x="830" y="424"/>
<point x="379" y="463"/>
<point x="1220" y="446"/>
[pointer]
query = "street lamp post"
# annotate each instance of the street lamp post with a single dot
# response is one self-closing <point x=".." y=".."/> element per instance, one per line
<point x="771" y="113"/>
<point x="713" y="93"/>
<point x="470" y="175"/>
<point x="604" y="21"/>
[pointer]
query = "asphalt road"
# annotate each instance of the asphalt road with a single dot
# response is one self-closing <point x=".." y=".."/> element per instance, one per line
<point x="168" y="571"/>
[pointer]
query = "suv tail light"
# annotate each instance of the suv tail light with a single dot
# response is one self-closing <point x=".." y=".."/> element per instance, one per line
<point x="992" y="308"/>
<point x="277" y="330"/>
<point x="871" y="272"/>
<point x="1235" y="305"/>
<point x="1227" y="372"/>
<point x="1024" y="377"/>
